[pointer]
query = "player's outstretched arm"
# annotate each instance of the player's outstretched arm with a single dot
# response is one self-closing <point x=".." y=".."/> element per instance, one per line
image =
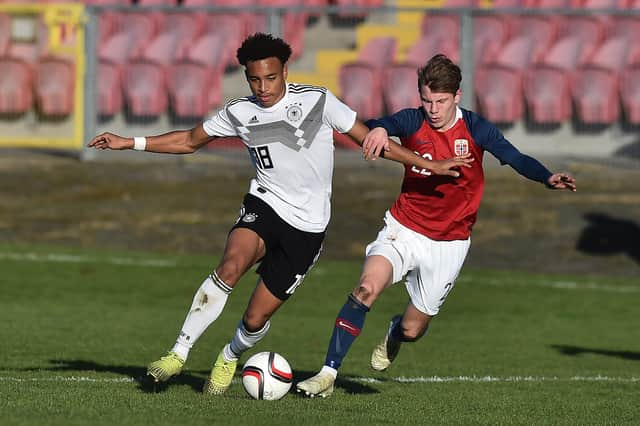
<point x="176" y="142"/>
<point x="562" y="181"/>
<point x="377" y="143"/>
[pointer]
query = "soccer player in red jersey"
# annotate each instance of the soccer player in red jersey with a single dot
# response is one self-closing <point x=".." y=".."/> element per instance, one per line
<point x="427" y="230"/>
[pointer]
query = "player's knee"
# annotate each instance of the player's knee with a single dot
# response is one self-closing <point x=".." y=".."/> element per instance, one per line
<point x="230" y="272"/>
<point x="367" y="291"/>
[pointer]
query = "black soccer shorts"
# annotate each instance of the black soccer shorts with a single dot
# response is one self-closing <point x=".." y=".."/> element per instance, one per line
<point x="290" y="252"/>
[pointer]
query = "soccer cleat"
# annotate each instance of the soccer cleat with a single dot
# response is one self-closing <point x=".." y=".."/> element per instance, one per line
<point x="165" y="368"/>
<point x="221" y="376"/>
<point x="384" y="354"/>
<point x="319" y="385"/>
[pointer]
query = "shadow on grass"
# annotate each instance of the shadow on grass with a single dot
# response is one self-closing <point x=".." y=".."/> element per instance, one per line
<point x="343" y="382"/>
<point x="138" y="373"/>
<point x="577" y="350"/>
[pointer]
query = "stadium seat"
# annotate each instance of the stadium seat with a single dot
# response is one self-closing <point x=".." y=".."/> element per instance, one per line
<point x="109" y="89"/>
<point x="425" y="47"/>
<point x="595" y="95"/>
<point x="630" y="95"/>
<point x="171" y="43"/>
<point x="568" y="53"/>
<point x="499" y="94"/>
<point x="490" y="34"/>
<point x="293" y="24"/>
<point x="441" y="28"/>
<point x="378" y="52"/>
<point x="16" y="79"/>
<point x="54" y="87"/>
<point x="400" y="87"/>
<point x="611" y="55"/>
<point x="133" y="34"/>
<point x="604" y="4"/>
<point x="547" y="95"/>
<point x="589" y="29"/>
<point x="194" y="89"/>
<point x="540" y="29"/>
<point x="145" y="89"/>
<point x="361" y="88"/>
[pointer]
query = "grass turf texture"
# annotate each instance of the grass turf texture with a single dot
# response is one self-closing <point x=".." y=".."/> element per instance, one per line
<point x="79" y="328"/>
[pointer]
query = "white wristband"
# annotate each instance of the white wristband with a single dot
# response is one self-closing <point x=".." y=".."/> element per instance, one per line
<point x="139" y="143"/>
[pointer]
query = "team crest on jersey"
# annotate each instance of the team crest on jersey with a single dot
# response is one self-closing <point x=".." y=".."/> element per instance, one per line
<point x="461" y="146"/>
<point x="249" y="217"/>
<point x="294" y="112"/>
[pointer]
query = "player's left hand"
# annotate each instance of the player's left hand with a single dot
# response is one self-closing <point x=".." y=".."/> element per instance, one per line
<point x="562" y="181"/>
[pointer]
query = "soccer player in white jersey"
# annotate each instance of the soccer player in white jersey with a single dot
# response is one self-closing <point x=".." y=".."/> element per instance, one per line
<point x="288" y="131"/>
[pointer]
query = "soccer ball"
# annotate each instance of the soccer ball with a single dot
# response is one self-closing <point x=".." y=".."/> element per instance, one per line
<point x="267" y="375"/>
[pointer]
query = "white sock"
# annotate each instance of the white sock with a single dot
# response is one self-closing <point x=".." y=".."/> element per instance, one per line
<point x="243" y="340"/>
<point x="329" y="370"/>
<point x="206" y="308"/>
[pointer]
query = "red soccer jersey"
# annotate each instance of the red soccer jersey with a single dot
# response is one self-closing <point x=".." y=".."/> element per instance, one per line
<point x="441" y="207"/>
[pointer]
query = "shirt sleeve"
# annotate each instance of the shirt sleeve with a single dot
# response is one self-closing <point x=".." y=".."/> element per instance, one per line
<point x="403" y="123"/>
<point x="337" y="114"/>
<point x="219" y="125"/>
<point x="491" y="139"/>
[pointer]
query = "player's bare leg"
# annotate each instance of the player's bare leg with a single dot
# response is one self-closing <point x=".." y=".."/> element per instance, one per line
<point x="243" y="249"/>
<point x="376" y="276"/>
<point x="251" y="329"/>
<point x="409" y="327"/>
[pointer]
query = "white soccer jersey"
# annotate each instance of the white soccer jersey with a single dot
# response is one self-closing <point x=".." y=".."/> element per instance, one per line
<point x="291" y="147"/>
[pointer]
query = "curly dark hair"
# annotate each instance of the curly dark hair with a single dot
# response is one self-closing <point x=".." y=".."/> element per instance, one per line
<point x="261" y="46"/>
<point x="440" y="74"/>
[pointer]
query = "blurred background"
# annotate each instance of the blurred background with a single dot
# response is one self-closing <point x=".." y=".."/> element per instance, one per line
<point x="561" y="78"/>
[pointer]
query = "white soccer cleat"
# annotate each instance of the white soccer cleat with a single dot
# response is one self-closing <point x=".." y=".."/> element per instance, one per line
<point x="384" y="354"/>
<point x="319" y="385"/>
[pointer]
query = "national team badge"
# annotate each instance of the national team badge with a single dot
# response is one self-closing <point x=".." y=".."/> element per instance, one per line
<point x="461" y="146"/>
<point x="249" y="217"/>
<point x="294" y="113"/>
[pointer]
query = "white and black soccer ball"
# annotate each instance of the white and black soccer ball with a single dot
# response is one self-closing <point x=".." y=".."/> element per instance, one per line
<point x="267" y="375"/>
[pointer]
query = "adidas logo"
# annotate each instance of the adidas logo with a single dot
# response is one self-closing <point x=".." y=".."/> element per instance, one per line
<point x="253" y="120"/>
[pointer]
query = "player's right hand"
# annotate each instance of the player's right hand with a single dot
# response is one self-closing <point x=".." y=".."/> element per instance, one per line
<point x="449" y="166"/>
<point x="110" y="141"/>
<point x="374" y="143"/>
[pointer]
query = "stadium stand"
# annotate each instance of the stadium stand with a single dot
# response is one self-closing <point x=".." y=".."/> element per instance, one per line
<point x="499" y="94"/>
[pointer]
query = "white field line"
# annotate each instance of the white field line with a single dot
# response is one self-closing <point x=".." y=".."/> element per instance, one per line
<point x="556" y="284"/>
<point x="70" y="258"/>
<point x="432" y="379"/>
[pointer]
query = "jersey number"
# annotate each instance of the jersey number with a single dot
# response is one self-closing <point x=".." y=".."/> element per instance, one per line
<point x="424" y="172"/>
<point x="261" y="157"/>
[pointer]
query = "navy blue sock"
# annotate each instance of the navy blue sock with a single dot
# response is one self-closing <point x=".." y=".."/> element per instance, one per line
<point x="349" y="323"/>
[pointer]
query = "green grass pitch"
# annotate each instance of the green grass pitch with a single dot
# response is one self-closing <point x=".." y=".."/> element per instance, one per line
<point x="79" y="327"/>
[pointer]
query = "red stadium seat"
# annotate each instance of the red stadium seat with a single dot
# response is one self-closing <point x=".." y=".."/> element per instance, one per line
<point x="145" y="89"/>
<point x="490" y="34"/>
<point x="499" y="94"/>
<point x="589" y="29"/>
<point x="16" y="80"/>
<point x="109" y="89"/>
<point x="604" y="4"/>
<point x="611" y="55"/>
<point x="441" y="28"/>
<point x="361" y="87"/>
<point x="554" y="4"/>
<point x="54" y="87"/>
<point x="133" y="34"/>
<point x="595" y="95"/>
<point x="400" y="87"/>
<point x="568" y="53"/>
<point x="630" y="95"/>
<point x="541" y="30"/>
<point x="378" y="52"/>
<point x="179" y="30"/>
<point x="194" y="89"/>
<point x="425" y="47"/>
<point x="547" y="95"/>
